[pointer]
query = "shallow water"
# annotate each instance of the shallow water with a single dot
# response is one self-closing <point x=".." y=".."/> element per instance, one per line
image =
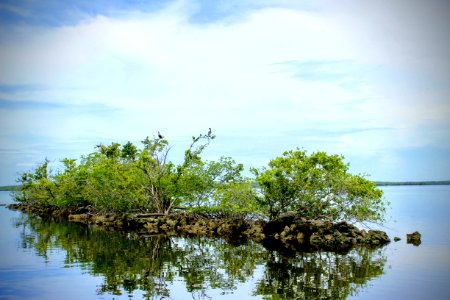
<point x="412" y="272"/>
<point x="41" y="259"/>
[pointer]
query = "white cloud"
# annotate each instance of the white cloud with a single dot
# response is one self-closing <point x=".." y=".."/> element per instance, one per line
<point x="158" y="71"/>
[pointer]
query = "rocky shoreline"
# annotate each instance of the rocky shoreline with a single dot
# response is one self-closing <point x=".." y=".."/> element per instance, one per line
<point x="288" y="232"/>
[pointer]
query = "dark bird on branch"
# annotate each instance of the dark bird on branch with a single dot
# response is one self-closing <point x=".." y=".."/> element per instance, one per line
<point x="160" y="135"/>
<point x="209" y="131"/>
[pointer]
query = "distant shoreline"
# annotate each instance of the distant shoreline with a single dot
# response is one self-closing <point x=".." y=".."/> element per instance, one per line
<point x="395" y="183"/>
<point x="8" y="188"/>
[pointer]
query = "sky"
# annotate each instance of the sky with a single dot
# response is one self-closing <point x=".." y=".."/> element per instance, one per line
<point x="366" y="79"/>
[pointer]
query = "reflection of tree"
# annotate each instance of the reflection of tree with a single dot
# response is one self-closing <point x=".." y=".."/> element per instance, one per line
<point x="216" y="263"/>
<point x="126" y="262"/>
<point x="130" y="262"/>
<point x="319" y="275"/>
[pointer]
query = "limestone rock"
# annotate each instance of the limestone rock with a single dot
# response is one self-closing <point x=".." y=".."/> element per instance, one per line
<point x="414" y="238"/>
<point x="79" y="218"/>
<point x="376" y="237"/>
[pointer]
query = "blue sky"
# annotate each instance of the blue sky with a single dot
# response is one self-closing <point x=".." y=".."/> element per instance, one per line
<point x="366" y="79"/>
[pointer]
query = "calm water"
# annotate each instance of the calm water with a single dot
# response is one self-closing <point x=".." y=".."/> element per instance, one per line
<point x="41" y="259"/>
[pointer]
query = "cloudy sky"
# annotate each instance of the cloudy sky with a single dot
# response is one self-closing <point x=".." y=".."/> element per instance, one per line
<point x="366" y="79"/>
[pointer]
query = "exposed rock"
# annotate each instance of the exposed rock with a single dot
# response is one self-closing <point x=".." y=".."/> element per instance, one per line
<point x="255" y="232"/>
<point x="106" y="220"/>
<point x="413" y="238"/>
<point x="171" y="223"/>
<point x="232" y="228"/>
<point x="300" y="237"/>
<point x="289" y="232"/>
<point x="311" y="234"/>
<point x="316" y="239"/>
<point x="151" y="227"/>
<point x="396" y="239"/>
<point x="376" y="238"/>
<point x="80" y="218"/>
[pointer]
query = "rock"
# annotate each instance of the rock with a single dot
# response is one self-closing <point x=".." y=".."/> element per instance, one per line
<point x="413" y="238"/>
<point x="80" y="218"/>
<point x="235" y="228"/>
<point x="376" y="237"/>
<point x="300" y="237"/>
<point x="363" y="233"/>
<point x="328" y="237"/>
<point x="318" y="223"/>
<point x="285" y="234"/>
<point x="255" y="232"/>
<point x="289" y="231"/>
<point x="396" y="239"/>
<point x="171" y="223"/>
<point x="106" y="220"/>
<point x="278" y="225"/>
<point x="288" y="216"/>
<point x="316" y="239"/>
<point x="165" y="227"/>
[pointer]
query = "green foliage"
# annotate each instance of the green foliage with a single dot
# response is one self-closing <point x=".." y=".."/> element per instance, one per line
<point x="70" y="185"/>
<point x="166" y="185"/>
<point x="36" y="187"/>
<point x="129" y="152"/>
<point x="238" y="198"/>
<point x="110" y="184"/>
<point x="204" y="181"/>
<point x="317" y="186"/>
<point x="124" y="178"/>
<point x="319" y="275"/>
<point x="235" y="199"/>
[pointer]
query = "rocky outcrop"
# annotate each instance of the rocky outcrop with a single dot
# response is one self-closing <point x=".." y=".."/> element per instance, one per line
<point x="413" y="238"/>
<point x="286" y="232"/>
<point x="309" y="234"/>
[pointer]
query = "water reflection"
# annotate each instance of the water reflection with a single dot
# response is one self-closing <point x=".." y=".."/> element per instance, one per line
<point x="320" y="275"/>
<point x="157" y="264"/>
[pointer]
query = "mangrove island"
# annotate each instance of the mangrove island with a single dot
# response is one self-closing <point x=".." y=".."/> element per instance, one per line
<point x="299" y="202"/>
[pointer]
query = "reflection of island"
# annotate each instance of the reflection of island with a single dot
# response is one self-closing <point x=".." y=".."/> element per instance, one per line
<point x="130" y="262"/>
<point x="320" y="275"/>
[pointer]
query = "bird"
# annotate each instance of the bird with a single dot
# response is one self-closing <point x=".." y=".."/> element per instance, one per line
<point x="160" y="135"/>
<point x="209" y="131"/>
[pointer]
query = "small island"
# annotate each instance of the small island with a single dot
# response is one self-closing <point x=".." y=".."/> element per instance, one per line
<point x="299" y="202"/>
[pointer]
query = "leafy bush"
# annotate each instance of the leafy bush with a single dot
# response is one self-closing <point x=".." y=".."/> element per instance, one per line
<point x="123" y="178"/>
<point x="317" y="186"/>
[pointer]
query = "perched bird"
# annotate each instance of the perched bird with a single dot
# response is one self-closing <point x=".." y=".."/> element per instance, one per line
<point x="160" y="135"/>
<point x="209" y="131"/>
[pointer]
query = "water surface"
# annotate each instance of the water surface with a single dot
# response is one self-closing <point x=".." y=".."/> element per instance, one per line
<point x="42" y="259"/>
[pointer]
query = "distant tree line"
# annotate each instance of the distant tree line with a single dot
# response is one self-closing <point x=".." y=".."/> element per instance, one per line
<point x="8" y="188"/>
<point x="123" y="178"/>
<point x="389" y="183"/>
